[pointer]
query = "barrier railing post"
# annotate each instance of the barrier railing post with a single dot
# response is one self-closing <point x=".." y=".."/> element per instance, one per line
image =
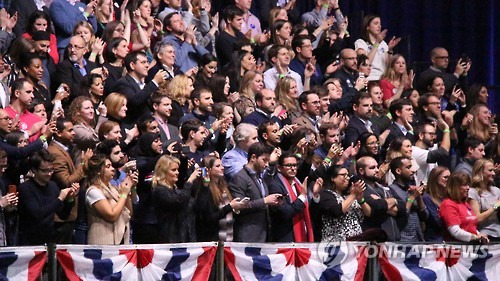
<point x="219" y="262"/>
<point x="372" y="264"/>
<point x="52" y="262"/>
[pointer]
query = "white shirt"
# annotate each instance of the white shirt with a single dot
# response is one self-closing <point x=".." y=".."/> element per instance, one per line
<point x="422" y="168"/>
<point x="271" y="79"/>
<point x="379" y="63"/>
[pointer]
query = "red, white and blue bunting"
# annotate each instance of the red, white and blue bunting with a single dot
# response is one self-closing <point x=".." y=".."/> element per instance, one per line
<point x="190" y="261"/>
<point x="307" y="261"/>
<point x="24" y="263"/>
<point x="440" y="262"/>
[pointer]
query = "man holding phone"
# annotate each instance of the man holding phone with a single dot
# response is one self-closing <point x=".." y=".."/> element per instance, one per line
<point x="439" y="65"/>
<point x="252" y="224"/>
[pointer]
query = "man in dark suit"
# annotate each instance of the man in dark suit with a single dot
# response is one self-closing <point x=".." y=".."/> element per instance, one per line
<point x="362" y="106"/>
<point x="162" y="107"/>
<point x="71" y="71"/>
<point x="165" y="58"/>
<point x="290" y="220"/>
<point x="252" y="224"/>
<point x="402" y="116"/>
<point x="133" y="87"/>
<point x="266" y="104"/>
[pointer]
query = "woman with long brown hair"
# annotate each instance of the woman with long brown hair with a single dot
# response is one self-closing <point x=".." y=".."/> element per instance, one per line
<point x="215" y="207"/>
<point x="109" y="208"/>
<point x="436" y="192"/>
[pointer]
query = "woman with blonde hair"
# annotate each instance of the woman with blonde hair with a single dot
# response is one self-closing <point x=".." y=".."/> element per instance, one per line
<point x="482" y="128"/>
<point x="436" y="192"/>
<point x="179" y="91"/>
<point x="172" y="204"/>
<point x="484" y="198"/>
<point x="109" y="208"/>
<point x="287" y="94"/>
<point x="395" y="79"/>
<point x="116" y="105"/>
<point x="94" y="45"/>
<point x="251" y="83"/>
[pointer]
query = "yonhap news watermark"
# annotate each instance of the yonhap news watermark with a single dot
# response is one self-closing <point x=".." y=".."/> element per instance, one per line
<point x="336" y="252"/>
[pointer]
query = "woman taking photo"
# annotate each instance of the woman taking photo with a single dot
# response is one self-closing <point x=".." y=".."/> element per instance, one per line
<point x="147" y="152"/>
<point x="109" y="208"/>
<point x="459" y="219"/>
<point x="485" y="198"/>
<point x="173" y="206"/>
<point x="342" y="213"/>
<point x="436" y="192"/>
<point x="215" y="207"/>
<point x="373" y="45"/>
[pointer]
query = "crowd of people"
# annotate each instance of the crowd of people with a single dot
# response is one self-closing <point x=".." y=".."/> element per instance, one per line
<point x="148" y="121"/>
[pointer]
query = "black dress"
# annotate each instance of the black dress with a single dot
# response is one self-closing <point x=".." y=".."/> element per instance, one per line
<point x="174" y="212"/>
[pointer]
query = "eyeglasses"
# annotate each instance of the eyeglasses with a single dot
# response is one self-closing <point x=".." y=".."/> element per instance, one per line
<point x="75" y="47"/>
<point x="443" y="57"/>
<point x="290" y="165"/>
<point x="345" y="175"/>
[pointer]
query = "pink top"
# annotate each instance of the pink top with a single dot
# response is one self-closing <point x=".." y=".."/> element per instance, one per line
<point x="26" y="121"/>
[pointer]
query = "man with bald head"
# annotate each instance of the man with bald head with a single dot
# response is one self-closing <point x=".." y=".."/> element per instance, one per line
<point x="71" y="70"/>
<point x="266" y="105"/>
<point x="388" y="210"/>
<point x="439" y="64"/>
<point x="349" y="80"/>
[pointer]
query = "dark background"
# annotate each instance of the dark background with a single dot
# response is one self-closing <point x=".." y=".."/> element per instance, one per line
<point x="461" y="26"/>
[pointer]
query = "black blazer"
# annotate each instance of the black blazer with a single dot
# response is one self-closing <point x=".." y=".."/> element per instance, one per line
<point x="354" y="129"/>
<point x="252" y="224"/>
<point x="67" y="73"/>
<point x="282" y="215"/>
<point x="395" y="133"/>
<point x="137" y="99"/>
<point x="208" y="216"/>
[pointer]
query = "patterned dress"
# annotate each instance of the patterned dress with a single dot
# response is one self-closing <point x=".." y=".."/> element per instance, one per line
<point x="339" y="228"/>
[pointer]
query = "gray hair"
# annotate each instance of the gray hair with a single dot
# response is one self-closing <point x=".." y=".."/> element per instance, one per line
<point x="242" y="132"/>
